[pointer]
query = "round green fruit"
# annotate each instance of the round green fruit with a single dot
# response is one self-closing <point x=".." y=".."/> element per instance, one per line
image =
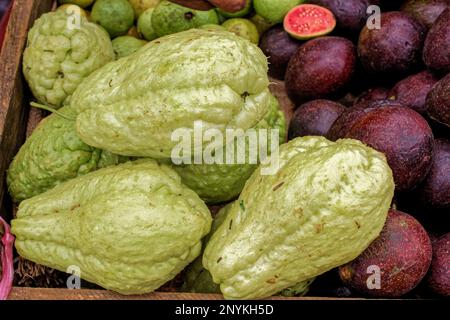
<point x="116" y="16"/>
<point x="144" y="25"/>
<point x="126" y="45"/>
<point x="308" y="21"/>
<point x="274" y="11"/>
<point x="171" y="18"/>
<point x="239" y="14"/>
<point x="243" y="28"/>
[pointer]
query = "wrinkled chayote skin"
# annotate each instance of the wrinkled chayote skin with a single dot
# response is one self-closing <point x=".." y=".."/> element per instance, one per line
<point x="325" y="205"/>
<point x="51" y="155"/>
<point x="199" y="280"/>
<point x="129" y="228"/>
<point x="216" y="183"/>
<point x="132" y="106"/>
<point x="61" y="51"/>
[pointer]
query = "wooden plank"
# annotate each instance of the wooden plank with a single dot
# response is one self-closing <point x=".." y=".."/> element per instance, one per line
<point x="66" y="294"/>
<point x="13" y="93"/>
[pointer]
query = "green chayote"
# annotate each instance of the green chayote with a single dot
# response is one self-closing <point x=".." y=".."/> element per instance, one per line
<point x="216" y="183"/>
<point x="133" y="106"/>
<point x="199" y="280"/>
<point x="61" y="51"/>
<point x="128" y="228"/>
<point x="325" y="205"/>
<point x="51" y="155"/>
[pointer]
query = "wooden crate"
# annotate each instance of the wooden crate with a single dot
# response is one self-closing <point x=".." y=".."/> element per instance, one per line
<point x="17" y="120"/>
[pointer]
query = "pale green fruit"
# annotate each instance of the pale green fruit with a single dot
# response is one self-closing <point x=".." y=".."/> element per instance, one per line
<point x="243" y="28"/>
<point x="323" y="207"/>
<point x="128" y="228"/>
<point x="61" y="51"/>
<point x="116" y="16"/>
<point x="127" y="45"/>
<point x="140" y="6"/>
<point x="81" y="3"/>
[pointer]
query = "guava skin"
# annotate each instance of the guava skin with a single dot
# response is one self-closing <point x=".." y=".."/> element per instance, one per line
<point x="136" y="216"/>
<point x="439" y="276"/>
<point x="127" y="45"/>
<point x="199" y="280"/>
<point x="425" y="11"/>
<point x="51" y="155"/>
<point x="145" y="27"/>
<point x="325" y="205"/>
<point x="218" y="183"/>
<point x="309" y="74"/>
<point x="413" y="90"/>
<point x="133" y="105"/>
<point x="57" y="58"/>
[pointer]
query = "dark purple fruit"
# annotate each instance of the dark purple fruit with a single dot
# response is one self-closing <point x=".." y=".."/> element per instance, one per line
<point x="439" y="276"/>
<point x="425" y="11"/>
<point x="372" y="94"/>
<point x="351" y="15"/>
<point x="438" y="101"/>
<point x="395" y="48"/>
<point x="403" y="135"/>
<point x="320" y="68"/>
<point x="279" y="47"/>
<point x="351" y="116"/>
<point x="436" y="52"/>
<point x="413" y="91"/>
<point x="435" y="191"/>
<point x="400" y="257"/>
<point x="314" y="118"/>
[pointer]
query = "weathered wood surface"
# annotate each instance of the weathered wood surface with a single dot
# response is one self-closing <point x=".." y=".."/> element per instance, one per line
<point x="13" y="94"/>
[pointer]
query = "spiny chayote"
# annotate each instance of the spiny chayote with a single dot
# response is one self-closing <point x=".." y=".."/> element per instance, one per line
<point x="61" y="51"/>
<point x="325" y="205"/>
<point x="128" y="228"/>
<point x="133" y="105"/>
<point x="51" y="155"/>
<point x="216" y="183"/>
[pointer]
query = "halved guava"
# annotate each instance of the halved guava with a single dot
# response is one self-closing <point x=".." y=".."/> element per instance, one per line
<point x="308" y="21"/>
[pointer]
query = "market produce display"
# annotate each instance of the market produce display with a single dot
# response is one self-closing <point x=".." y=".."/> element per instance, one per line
<point x="356" y="92"/>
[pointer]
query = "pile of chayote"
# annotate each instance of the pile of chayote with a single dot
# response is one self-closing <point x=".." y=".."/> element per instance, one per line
<point x="98" y="188"/>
